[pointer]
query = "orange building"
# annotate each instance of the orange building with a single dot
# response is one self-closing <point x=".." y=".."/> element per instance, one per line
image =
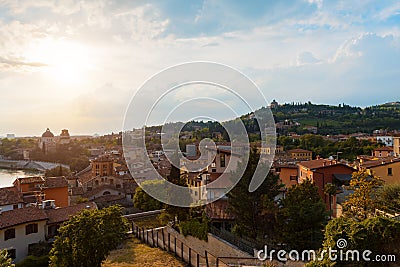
<point x="383" y="152"/>
<point x="56" y="188"/>
<point x="103" y="166"/>
<point x="322" y="172"/>
<point x="37" y="188"/>
<point x="287" y="174"/>
<point x="27" y="185"/>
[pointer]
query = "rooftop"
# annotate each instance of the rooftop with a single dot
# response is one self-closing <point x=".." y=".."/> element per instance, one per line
<point x="56" y="182"/>
<point x="21" y="216"/>
<point x="63" y="214"/>
<point x="31" y="179"/>
<point x="9" y="196"/>
<point x="317" y="163"/>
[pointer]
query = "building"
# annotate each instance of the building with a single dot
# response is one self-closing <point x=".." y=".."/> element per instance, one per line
<point x="47" y="142"/>
<point x="396" y="146"/>
<point x="386" y="140"/>
<point x="65" y="138"/>
<point x="383" y="152"/>
<point x="10" y="199"/>
<point x="103" y="166"/>
<point x="36" y="189"/>
<point x="274" y="104"/>
<point x="56" y="188"/>
<point x="22" y="228"/>
<point x="299" y="154"/>
<point x="287" y="174"/>
<point x="322" y="172"/>
<point x="386" y="169"/>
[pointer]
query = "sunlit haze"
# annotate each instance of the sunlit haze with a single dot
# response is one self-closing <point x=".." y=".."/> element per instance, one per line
<point x="77" y="64"/>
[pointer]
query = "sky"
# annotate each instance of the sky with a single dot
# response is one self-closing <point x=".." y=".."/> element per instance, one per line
<point x="76" y="64"/>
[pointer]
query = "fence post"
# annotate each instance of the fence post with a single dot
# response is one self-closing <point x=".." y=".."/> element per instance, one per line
<point x="189" y="257"/>
<point x="147" y="237"/>
<point x="182" y="250"/>
<point x="163" y="239"/>
<point x="217" y="263"/>
<point x="175" y="246"/>
<point x="152" y="237"/>
<point x="206" y="258"/>
<point x="169" y="242"/>
<point x="157" y="239"/>
<point x="198" y="259"/>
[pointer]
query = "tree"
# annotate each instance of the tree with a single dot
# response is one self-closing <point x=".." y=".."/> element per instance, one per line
<point x="254" y="211"/>
<point x="388" y="198"/>
<point x="177" y="213"/>
<point x="58" y="171"/>
<point x="5" y="261"/>
<point x="330" y="190"/>
<point x="361" y="203"/>
<point x="303" y="217"/>
<point x="144" y="201"/>
<point x="378" y="234"/>
<point x="87" y="238"/>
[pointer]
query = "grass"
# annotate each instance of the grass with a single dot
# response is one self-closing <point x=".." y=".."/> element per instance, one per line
<point x="136" y="254"/>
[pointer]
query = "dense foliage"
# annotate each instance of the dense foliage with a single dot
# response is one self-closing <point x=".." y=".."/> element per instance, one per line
<point x="144" y="201"/>
<point x="361" y="203"/>
<point x="5" y="261"/>
<point x="255" y="212"/>
<point x="87" y="238"/>
<point x="302" y="217"/>
<point x="380" y="235"/>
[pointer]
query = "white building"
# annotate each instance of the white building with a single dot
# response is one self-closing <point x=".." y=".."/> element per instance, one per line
<point x="386" y="140"/>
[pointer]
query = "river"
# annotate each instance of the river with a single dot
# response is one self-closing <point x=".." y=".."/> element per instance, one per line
<point x="7" y="177"/>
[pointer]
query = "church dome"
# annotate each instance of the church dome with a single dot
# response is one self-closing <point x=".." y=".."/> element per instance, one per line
<point x="47" y="133"/>
<point x="64" y="133"/>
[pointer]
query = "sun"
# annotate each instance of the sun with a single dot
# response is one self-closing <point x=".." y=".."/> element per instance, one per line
<point x="66" y="62"/>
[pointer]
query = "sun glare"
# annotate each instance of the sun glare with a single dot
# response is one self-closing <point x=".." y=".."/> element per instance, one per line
<point x="65" y="61"/>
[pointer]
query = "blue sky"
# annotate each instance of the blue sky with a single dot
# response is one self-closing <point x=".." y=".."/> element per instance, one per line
<point x="74" y="64"/>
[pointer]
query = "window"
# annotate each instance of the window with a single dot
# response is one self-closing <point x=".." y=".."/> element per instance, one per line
<point x="293" y="177"/>
<point x="390" y="171"/>
<point x="12" y="253"/>
<point x="222" y="160"/>
<point x="9" y="234"/>
<point x="97" y="166"/>
<point x="15" y="206"/>
<point x="31" y="228"/>
<point x="111" y="181"/>
<point x="118" y="185"/>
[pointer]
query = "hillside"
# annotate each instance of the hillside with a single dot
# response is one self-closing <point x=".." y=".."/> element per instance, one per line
<point x="341" y="119"/>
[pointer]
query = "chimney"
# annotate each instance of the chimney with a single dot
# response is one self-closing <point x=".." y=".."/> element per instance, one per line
<point x="318" y="157"/>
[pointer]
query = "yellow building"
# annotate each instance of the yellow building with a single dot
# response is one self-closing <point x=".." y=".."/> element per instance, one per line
<point x="388" y="171"/>
<point x="300" y="154"/>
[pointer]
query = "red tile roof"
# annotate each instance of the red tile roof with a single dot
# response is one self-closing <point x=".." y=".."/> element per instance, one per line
<point x="317" y="163"/>
<point x="10" y="196"/>
<point x="62" y="214"/>
<point x="32" y="179"/>
<point x="299" y="150"/>
<point x="56" y="182"/>
<point x="20" y="216"/>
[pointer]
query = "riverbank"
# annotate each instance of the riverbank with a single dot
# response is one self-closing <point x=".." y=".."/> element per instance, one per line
<point x="29" y="165"/>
